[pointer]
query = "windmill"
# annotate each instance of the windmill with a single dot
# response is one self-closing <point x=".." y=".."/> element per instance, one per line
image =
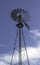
<point x="21" y="16"/>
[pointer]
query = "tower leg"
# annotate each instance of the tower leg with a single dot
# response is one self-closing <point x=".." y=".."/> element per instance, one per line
<point x="25" y="48"/>
<point x="20" y="57"/>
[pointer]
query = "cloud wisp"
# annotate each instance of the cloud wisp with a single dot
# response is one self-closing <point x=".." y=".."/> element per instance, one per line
<point x="35" y="36"/>
<point x="35" y="32"/>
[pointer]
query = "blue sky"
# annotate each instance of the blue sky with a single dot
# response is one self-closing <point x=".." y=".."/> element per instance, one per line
<point x="8" y="30"/>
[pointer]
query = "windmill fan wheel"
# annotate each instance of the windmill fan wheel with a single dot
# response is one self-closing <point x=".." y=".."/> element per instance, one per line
<point x="16" y="14"/>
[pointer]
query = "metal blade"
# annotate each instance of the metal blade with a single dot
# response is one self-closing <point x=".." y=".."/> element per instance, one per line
<point x="14" y="15"/>
<point x="26" y="24"/>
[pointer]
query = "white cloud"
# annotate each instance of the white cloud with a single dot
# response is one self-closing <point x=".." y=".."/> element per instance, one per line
<point x="35" y="32"/>
<point x="32" y="54"/>
<point x="2" y="63"/>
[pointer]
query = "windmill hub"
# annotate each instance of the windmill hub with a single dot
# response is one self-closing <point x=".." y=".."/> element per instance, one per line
<point x="19" y="25"/>
<point x="19" y="18"/>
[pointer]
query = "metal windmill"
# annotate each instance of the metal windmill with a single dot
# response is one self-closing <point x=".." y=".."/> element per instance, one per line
<point x="21" y="16"/>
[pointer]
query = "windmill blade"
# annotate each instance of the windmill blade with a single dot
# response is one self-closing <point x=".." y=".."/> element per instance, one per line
<point x="26" y="19"/>
<point x="26" y="24"/>
<point x="14" y="15"/>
